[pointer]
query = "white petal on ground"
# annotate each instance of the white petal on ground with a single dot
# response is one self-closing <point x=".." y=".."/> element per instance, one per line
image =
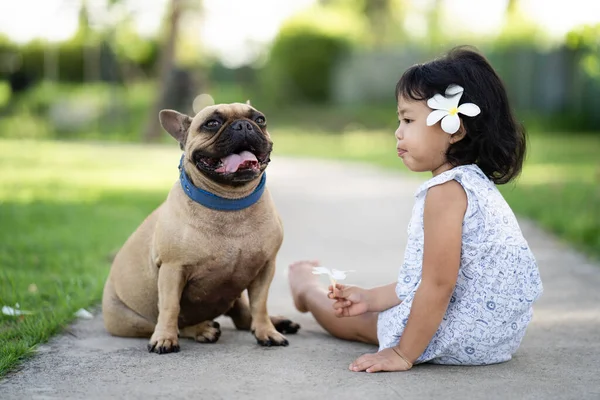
<point x="83" y="313"/>
<point x="435" y="116"/>
<point x="451" y="123"/>
<point x="15" y="312"/>
<point x="469" y="109"/>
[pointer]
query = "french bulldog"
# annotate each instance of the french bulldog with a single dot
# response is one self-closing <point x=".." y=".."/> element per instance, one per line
<point x="214" y="238"/>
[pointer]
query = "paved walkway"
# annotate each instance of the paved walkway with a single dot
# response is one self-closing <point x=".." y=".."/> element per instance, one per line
<point x="349" y="217"/>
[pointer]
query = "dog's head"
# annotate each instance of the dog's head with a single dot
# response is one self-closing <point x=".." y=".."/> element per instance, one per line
<point x="227" y="143"/>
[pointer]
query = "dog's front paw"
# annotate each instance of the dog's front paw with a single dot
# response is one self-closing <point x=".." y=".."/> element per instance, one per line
<point x="268" y="336"/>
<point x="163" y="342"/>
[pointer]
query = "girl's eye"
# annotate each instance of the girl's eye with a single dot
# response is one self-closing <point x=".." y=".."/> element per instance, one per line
<point x="405" y="121"/>
<point x="213" y="123"/>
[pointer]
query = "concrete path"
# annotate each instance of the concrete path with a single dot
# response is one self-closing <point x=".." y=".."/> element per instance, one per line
<point x="350" y="217"/>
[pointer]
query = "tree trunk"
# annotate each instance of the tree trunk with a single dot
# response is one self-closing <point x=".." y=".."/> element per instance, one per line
<point x="167" y="61"/>
<point x="378" y="13"/>
<point x="511" y="7"/>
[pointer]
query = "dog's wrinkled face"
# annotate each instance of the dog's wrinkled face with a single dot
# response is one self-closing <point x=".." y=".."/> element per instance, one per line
<point x="228" y="143"/>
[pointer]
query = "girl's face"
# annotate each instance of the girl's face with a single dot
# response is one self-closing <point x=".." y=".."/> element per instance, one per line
<point x="421" y="147"/>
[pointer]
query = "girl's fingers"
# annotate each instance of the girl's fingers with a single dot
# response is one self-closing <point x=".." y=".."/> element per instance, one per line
<point x="338" y="293"/>
<point x="375" y="368"/>
<point x="342" y="304"/>
<point x="362" y="359"/>
<point x="363" y="363"/>
<point x="337" y="290"/>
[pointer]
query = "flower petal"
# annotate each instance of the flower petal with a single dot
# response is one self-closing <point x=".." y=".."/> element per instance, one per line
<point x="435" y="116"/>
<point x="451" y="123"/>
<point x="451" y="90"/>
<point x="439" y="102"/>
<point x="469" y="109"/>
<point x="321" y="270"/>
<point x="454" y="99"/>
<point x="338" y="275"/>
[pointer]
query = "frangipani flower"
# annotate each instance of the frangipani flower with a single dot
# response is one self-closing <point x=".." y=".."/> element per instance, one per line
<point x="446" y="108"/>
<point x="334" y="274"/>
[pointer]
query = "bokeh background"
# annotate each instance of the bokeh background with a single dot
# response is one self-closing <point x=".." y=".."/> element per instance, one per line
<point x="83" y="159"/>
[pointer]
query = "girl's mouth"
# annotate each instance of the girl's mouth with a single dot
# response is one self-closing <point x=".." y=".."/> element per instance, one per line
<point x="401" y="152"/>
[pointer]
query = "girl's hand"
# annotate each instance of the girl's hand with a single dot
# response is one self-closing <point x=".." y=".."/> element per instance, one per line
<point x="385" y="360"/>
<point x="350" y="300"/>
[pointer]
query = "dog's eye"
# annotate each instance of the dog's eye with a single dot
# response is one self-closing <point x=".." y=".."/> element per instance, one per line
<point x="213" y="123"/>
<point x="260" y="120"/>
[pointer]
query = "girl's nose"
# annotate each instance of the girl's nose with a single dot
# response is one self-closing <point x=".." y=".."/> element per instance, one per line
<point x="398" y="133"/>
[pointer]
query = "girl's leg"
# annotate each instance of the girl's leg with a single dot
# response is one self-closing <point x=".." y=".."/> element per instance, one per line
<point x="309" y="296"/>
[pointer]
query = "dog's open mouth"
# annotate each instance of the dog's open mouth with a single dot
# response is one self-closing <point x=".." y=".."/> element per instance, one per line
<point x="244" y="160"/>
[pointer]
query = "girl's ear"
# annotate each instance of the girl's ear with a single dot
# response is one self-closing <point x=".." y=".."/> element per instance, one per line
<point x="459" y="135"/>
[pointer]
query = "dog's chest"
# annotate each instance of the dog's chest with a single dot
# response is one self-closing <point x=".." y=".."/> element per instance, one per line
<point x="224" y="275"/>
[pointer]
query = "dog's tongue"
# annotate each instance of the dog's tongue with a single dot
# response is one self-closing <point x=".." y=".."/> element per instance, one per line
<point x="232" y="162"/>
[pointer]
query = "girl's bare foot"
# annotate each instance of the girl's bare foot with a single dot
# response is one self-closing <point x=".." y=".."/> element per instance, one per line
<point x="302" y="280"/>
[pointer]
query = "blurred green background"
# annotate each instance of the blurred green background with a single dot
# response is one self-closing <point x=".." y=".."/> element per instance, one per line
<point x="83" y="159"/>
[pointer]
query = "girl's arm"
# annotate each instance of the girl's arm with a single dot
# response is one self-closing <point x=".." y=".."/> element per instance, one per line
<point x="354" y="300"/>
<point x="445" y="207"/>
<point x="383" y="297"/>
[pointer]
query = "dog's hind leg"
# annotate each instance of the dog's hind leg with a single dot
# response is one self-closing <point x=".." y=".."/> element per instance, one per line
<point x="242" y="319"/>
<point x="120" y="320"/>
<point x="204" y="332"/>
<point x="240" y="313"/>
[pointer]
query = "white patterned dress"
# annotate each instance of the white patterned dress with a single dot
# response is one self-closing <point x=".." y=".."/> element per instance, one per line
<point x="498" y="280"/>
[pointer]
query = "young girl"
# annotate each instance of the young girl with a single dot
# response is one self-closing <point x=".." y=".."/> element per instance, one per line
<point x="465" y="291"/>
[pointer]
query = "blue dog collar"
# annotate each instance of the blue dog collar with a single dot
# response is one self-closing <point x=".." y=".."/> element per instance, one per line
<point x="211" y="200"/>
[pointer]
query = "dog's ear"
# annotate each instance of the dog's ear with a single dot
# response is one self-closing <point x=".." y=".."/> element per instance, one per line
<point x="248" y="102"/>
<point x="176" y="123"/>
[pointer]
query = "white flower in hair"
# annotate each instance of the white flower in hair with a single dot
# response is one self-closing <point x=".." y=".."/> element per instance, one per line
<point x="446" y="108"/>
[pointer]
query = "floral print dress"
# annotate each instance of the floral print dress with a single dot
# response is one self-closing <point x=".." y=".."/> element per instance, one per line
<point x="498" y="280"/>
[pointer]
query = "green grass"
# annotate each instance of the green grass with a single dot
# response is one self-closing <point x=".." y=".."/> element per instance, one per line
<point x="66" y="207"/>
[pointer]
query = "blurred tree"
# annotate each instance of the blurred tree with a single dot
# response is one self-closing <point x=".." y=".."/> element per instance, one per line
<point x="585" y="40"/>
<point x="305" y="52"/>
<point x="105" y="47"/>
<point x="166" y="64"/>
<point x="584" y="43"/>
<point x="385" y="19"/>
<point x="519" y="28"/>
<point x="434" y="24"/>
<point x="136" y="55"/>
<point x="512" y="6"/>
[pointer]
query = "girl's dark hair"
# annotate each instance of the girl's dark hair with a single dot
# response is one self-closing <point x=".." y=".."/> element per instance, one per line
<point x="494" y="140"/>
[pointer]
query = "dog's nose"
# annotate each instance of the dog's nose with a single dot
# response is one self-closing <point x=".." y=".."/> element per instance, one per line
<point x="240" y="125"/>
